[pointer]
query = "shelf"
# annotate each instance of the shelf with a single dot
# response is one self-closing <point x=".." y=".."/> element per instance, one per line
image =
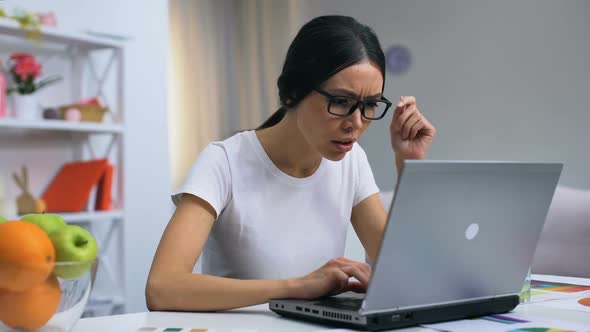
<point x="91" y="216"/>
<point x="94" y="61"/>
<point x="82" y="217"/>
<point x="61" y="125"/>
<point x="57" y="36"/>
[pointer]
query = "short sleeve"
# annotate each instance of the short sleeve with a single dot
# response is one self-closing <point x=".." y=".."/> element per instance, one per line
<point x="365" y="181"/>
<point x="209" y="178"/>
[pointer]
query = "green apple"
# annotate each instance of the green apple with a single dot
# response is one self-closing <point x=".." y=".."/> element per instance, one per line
<point x="47" y="221"/>
<point x="74" y="246"/>
<point x="2" y="219"/>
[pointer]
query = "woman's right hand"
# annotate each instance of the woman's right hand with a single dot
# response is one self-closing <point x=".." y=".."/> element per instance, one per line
<point x="333" y="278"/>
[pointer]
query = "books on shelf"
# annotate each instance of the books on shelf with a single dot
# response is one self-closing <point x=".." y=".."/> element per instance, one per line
<point x="71" y="188"/>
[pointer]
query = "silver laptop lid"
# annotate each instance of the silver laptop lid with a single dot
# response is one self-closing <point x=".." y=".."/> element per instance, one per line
<point x="459" y="231"/>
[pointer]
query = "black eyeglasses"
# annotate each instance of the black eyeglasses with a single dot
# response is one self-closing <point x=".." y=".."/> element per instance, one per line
<point x="371" y="108"/>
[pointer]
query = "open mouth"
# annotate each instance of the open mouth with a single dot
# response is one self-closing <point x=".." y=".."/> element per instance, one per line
<point x="344" y="145"/>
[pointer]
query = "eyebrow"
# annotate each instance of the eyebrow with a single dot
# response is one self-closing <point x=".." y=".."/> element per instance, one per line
<point x="348" y="93"/>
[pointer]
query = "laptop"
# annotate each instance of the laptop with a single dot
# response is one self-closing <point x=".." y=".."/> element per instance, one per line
<point x="458" y="243"/>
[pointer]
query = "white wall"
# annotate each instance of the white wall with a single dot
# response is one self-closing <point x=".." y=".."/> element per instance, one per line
<point x="502" y="80"/>
<point x="147" y="173"/>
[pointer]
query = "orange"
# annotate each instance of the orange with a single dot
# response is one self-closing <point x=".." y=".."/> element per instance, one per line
<point x="26" y="255"/>
<point x="32" y="308"/>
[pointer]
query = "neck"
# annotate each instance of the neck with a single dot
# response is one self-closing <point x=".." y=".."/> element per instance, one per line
<point x="288" y="149"/>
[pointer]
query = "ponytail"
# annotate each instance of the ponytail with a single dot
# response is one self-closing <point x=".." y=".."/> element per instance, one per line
<point x="275" y="118"/>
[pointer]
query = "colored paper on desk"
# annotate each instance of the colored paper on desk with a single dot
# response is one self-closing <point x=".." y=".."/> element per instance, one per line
<point x="544" y="296"/>
<point x="558" y="287"/>
<point x="539" y="329"/>
<point x="578" y="304"/>
<point x="512" y="322"/>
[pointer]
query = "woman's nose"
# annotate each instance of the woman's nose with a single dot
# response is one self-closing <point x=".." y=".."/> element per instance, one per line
<point x="355" y="120"/>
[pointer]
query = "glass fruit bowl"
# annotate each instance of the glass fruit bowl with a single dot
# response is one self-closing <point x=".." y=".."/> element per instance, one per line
<point x="44" y="297"/>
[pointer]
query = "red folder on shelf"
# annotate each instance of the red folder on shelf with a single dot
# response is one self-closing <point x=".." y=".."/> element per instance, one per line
<point x="70" y="189"/>
<point x="105" y="185"/>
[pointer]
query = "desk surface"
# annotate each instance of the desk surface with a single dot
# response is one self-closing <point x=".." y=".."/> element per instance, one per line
<point x="260" y="318"/>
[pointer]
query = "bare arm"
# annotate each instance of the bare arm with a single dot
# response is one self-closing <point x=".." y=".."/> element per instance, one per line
<point x="368" y="219"/>
<point x="171" y="284"/>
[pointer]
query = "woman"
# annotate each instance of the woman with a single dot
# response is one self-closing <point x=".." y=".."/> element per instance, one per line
<point x="269" y="209"/>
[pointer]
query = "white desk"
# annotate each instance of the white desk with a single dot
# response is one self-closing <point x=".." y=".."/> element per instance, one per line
<point x="260" y="318"/>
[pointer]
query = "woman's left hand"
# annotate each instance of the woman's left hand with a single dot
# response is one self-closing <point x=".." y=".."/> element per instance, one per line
<point x="411" y="133"/>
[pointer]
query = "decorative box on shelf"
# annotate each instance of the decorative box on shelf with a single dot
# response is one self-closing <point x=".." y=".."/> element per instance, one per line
<point x="89" y="113"/>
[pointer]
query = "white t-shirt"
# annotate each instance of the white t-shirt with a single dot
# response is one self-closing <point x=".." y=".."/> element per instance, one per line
<point x="271" y="225"/>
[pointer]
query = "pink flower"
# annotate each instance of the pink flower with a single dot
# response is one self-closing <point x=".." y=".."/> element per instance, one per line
<point x="18" y="57"/>
<point x="25" y="70"/>
<point x="27" y="67"/>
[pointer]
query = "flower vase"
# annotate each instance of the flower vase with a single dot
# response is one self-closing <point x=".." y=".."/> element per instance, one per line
<point x="25" y="107"/>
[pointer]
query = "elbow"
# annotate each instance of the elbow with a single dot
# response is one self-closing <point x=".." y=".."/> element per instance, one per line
<point x="161" y="294"/>
<point x="154" y="295"/>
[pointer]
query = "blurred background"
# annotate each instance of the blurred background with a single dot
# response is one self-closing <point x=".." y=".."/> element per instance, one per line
<point x="500" y="80"/>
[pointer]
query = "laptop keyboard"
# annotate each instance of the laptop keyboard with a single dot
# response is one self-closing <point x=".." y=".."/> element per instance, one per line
<point x="341" y="303"/>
